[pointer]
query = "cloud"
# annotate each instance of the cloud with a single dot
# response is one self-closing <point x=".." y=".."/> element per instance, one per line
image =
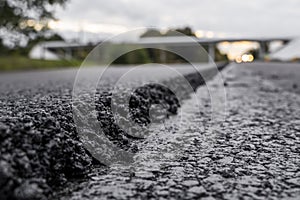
<point x="255" y="17"/>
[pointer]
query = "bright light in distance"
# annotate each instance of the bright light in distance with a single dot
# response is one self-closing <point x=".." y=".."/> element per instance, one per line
<point x="237" y="49"/>
<point x="247" y="58"/>
<point x="238" y="59"/>
<point x="30" y="22"/>
<point x="209" y="34"/>
<point x="244" y="58"/>
<point x="199" y="34"/>
<point x="86" y="26"/>
<point x="53" y="24"/>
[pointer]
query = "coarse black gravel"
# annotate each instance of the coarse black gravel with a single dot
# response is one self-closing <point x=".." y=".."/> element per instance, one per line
<point x="39" y="146"/>
<point x="253" y="154"/>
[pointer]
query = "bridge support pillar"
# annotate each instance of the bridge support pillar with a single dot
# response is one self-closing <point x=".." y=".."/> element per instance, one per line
<point x="263" y="50"/>
<point x="211" y="53"/>
<point x="68" y="54"/>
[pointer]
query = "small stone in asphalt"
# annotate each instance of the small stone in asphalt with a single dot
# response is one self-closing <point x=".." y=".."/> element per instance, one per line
<point x="197" y="190"/>
<point x="190" y="183"/>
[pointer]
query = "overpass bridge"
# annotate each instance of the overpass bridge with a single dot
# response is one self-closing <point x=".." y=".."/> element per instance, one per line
<point x="211" y="43"/>
<point x="63" y="50"/>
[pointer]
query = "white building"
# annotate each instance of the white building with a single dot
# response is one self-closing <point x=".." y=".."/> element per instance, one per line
<point x="49" y="50"/>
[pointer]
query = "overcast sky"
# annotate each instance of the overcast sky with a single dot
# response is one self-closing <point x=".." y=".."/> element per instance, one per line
<point x="223" y="17"/>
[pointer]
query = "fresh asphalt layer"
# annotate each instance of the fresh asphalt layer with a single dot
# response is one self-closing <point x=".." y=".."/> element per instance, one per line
<point x="39" y="142"/>
<point x="251" y="152"/>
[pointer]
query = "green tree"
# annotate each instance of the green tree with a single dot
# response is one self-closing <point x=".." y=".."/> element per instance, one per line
<point x="151" y="33"/>
<point x="179" y="31"/>
<point x="170" y="32"/>
<point x="25" y="19"/>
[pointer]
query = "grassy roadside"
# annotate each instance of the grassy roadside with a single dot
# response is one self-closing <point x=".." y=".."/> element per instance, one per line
<point x="17" y="63"/>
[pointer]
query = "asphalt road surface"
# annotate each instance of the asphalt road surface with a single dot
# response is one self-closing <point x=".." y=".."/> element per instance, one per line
<point x="252" y="152"/>
<point x="285" y="76"/>
<point x="40" y="147"/>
